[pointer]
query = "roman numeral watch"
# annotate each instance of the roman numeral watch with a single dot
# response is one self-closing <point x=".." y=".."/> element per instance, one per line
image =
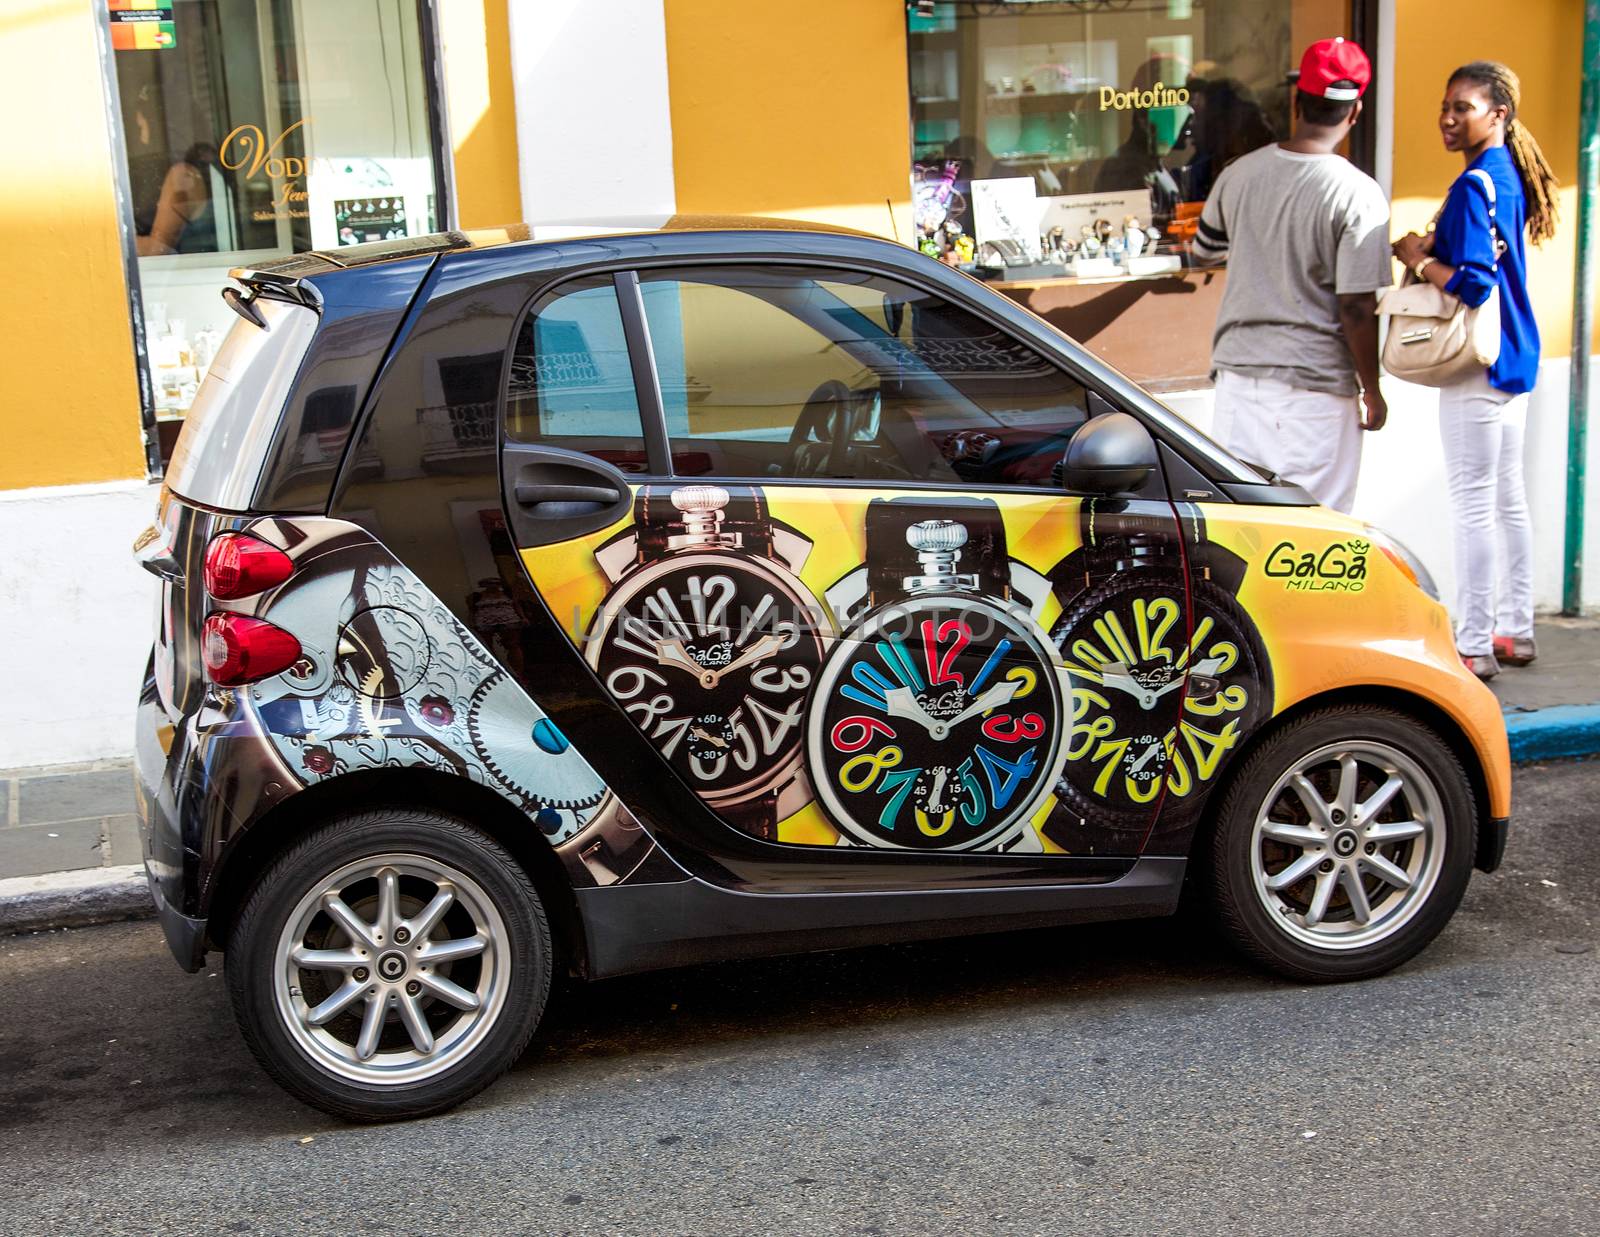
<point x="710" y="642"/>
<point x="936" y="723"/>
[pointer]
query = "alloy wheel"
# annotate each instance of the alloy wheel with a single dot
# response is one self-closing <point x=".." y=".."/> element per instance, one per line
<point x="1348" y="845"/>
<point x="392" y="969"/>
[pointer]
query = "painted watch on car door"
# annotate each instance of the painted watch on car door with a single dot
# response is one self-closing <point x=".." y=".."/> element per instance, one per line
<point x="863" y="610"/>
<point x="710" y="642"/>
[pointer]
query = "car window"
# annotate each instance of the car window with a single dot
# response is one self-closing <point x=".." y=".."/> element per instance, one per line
<point x="570" y="383"/>
<point x="788" y="372"/>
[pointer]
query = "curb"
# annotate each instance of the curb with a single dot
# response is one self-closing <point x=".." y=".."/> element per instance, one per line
<point x="74" y="899"/>
<point x="1554" y="733"/>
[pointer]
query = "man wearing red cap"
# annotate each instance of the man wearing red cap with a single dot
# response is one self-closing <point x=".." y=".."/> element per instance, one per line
<point x="1306" y="237"/>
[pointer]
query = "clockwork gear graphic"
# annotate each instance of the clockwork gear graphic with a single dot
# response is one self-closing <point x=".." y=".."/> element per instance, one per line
<point x="514" y="739"/>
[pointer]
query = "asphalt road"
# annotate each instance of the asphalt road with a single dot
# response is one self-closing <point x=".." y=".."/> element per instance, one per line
<point x="1118" y="1079"/>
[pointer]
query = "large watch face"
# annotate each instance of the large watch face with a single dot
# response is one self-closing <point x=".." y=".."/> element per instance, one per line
<point x="1127" y="651"/>
<point x="935" y="726"/>
<point x="712" y="656"/>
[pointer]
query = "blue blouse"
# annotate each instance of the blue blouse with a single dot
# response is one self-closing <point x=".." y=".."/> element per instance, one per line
<point x="1462" y="239"/>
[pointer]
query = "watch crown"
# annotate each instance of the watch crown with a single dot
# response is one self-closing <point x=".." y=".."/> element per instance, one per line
<point x="936" y="536"/>
<point x="694" y="499"/>
<point x="701" y="508"/>
<point x="938" y="545"/>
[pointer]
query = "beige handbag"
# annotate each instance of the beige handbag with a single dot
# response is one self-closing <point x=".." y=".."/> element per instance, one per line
<point x="1432" y="338"/>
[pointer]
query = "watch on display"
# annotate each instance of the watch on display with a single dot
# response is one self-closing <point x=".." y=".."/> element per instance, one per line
<point x="1159" y="701"/>
<point x="936" y="723"/>
<point x="710" y="643"/>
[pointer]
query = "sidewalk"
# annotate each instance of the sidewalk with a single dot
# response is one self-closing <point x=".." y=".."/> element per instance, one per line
<point x="1553" y="706"/>
<point x="69" y="839"/>
<point x="68" y="817"/>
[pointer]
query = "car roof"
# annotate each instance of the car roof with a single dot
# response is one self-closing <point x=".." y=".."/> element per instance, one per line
<point x="321" y="261"/>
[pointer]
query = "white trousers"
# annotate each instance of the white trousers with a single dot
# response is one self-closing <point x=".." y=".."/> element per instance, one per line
<point x="1483" y="431"/>
<point x="1311" y="438"/>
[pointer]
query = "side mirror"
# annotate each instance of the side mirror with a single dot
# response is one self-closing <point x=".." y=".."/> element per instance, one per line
<point x="1111" y="453"/>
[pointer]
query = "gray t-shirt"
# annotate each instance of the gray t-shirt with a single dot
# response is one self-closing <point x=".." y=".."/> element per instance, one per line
<point x="1297" y="231"/>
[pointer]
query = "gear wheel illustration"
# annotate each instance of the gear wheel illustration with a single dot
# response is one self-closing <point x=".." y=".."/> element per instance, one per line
<point x="501" y="721"/>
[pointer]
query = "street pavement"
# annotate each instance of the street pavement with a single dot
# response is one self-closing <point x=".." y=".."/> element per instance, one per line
<point x="1126" y="1078"/>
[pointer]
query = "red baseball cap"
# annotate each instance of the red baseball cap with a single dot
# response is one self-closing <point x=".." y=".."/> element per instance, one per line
<point x="1329" y="68"/>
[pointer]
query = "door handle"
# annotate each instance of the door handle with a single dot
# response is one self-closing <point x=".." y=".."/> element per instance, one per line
<point x="532" y="495"/>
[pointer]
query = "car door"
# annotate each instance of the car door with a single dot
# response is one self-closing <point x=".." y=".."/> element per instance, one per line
<point x="807" y="527"/>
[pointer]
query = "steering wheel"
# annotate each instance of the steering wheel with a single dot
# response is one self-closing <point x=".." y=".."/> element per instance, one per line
<point x="818" y="425"/>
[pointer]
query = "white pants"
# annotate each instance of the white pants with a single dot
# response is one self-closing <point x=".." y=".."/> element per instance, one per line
<point x="1311" y="438"/>
<point x="1483" y="431"/>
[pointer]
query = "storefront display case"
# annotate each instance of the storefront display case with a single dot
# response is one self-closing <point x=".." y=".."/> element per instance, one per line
<point x="1063" y="149"/>
<point x="253" y="129"/>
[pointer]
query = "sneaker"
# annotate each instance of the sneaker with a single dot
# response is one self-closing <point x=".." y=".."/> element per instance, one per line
<point x="1484" y="665"/>
<point x="1515" y="650"/>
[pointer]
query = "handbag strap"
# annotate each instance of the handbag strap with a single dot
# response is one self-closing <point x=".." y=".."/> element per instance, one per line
<point x="1487" y="181"/>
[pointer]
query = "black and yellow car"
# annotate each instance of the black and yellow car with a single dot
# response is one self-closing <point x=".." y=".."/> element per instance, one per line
<point x="626" y="596"/>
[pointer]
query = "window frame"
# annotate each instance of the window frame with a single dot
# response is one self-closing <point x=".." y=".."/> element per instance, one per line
<point x="440" y="150"/>
<point x="630" y="296"/>
<point x="641" y="364"/>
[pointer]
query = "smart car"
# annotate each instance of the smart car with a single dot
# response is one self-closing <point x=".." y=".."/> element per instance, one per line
<point x="590" y="599"/>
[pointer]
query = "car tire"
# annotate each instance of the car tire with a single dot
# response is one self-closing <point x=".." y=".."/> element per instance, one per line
<point x="1356" y="886"/>
<point x="389" y="965"/>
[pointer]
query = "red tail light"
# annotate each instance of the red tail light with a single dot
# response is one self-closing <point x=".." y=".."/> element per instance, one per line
<point x="239" y="565"/>
<point x="239" y="649"/>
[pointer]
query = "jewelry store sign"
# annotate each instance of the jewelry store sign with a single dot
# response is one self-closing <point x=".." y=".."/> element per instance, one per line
<point x="1159" y="95"/>
<point x="246" y="150"/>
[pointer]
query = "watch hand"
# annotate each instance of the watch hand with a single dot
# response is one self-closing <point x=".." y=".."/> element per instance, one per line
<point x="1145" y="759"/>
<point x="996" y="696"/>
<point x="1115" y="674"/>
<point x="1200" y="670"/>
<point x="900" y="702"/>
<point x="766" y="646"/>
<point x="672" y="653"/>
<point x="709" y="738"/>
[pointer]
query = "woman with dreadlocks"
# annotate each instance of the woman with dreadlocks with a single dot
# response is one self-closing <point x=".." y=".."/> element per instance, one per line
<point x="1475" y="247"/>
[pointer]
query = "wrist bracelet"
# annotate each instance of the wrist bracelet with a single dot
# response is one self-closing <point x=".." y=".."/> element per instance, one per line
<point x="1422" y="266"/>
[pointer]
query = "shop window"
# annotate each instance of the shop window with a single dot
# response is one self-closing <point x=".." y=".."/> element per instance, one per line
<point x="1079" y="138"/>
<point x="571" y="384"/>
<point x="775" y="373"/>
<point x="255" y="129"/>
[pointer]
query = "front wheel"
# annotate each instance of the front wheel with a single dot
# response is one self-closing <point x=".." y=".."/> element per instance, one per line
<point x="390" y="965"/>
<point x="1343" y="845"/>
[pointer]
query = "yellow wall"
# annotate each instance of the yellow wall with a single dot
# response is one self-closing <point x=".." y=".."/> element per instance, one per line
<point x="798" y="110"/>
<point x="483" y="122"/>
<point x="69" y="401"/>
<point x="69" y="398"/>
<point x="1542" y="42"/>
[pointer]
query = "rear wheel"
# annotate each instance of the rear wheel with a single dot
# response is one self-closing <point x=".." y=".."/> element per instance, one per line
<point x="390" y="965"/>
<point x="1344" y="844"/>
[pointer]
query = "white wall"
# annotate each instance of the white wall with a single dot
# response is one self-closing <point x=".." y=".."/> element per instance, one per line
<point x="593" y="121"/>
<point x="1403" y="490"/>
<point x="78" y="616"/>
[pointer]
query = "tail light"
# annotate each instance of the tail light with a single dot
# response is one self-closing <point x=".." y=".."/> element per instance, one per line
<point x="239" y="649"/>
<point x="239" y="565"/>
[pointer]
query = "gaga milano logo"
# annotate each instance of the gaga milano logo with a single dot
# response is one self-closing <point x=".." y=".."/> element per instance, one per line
<point x="1340" y="568"/>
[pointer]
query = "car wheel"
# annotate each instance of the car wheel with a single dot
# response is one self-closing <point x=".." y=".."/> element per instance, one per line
<point x="1343" y="845"/>
<point x="390" y="965"/>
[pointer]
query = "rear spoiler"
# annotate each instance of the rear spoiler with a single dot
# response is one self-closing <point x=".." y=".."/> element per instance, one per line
<point x="277" y="284"/>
